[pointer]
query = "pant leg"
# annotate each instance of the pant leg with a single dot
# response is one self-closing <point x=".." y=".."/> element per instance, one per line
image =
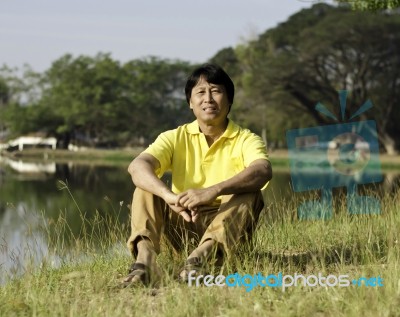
<point x="151" y="217"/>
<point x="147" y="219"/>
<point x="235" y="220"/>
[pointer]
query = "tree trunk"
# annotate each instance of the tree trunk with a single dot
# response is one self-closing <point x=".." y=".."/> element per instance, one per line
<point x="389" y="144"/>
<point x="64" y="140"/>
<point x="264" y="136"/>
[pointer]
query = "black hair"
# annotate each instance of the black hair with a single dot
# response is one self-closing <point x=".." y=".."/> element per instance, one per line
<point x="213" y="74"/>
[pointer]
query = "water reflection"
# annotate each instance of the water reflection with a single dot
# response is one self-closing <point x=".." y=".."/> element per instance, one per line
<point x="21" y="244"/>
<point x="29" y="167"/>
<point x="31" y="198"/>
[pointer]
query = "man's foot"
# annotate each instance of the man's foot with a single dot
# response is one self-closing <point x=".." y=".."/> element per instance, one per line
<point x="138" y="273"/>
<point x="141" y="275"/>
<point x="192" y="264"/>
<point x="198" y="260"/>
<point x="145" y="270"/>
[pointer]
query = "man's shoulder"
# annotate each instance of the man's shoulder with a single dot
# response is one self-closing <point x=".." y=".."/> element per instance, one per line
<point x="237" y="130"/>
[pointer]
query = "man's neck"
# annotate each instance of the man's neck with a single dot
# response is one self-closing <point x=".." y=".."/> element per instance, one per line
<point x="213" y="132"/>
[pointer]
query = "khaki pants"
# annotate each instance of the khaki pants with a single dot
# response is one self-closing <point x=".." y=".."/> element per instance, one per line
<point x="227" y="223"/>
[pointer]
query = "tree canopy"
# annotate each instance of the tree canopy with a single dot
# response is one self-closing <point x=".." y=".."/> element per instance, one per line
<point x="279" y="77"/>
<point x="372" y="5"/>
<point x="97" y="101"/>
<point x="316" y="53"/>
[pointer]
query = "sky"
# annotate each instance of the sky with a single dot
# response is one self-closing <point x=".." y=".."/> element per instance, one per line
<point x="38" y="32"/>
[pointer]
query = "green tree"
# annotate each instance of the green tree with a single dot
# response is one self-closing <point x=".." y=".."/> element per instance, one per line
<point x="319" y="51"/>
<point x="4" y="98"/>
<point x="155" y="90"/>
<point x="79" y="98"/>
<point x="4" y="92"/>
<point x="100" y="102"/>
<point x="372" y="5"/>
<point x="228" y="60"/>
<point x="20" y="89"/>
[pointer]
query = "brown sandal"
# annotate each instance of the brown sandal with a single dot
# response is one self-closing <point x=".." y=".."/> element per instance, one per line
<point x="137" y="269"/>
<point x="192" y="264"/>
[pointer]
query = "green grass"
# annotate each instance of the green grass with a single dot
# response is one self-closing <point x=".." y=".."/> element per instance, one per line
<point x="385" y="165"/>
<point x="366" y="245"/>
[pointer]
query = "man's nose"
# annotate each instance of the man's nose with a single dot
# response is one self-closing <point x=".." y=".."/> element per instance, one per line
<point x="209" y="97"/>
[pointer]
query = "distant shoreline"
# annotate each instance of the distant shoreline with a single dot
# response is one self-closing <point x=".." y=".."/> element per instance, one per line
<point x="279" y="158"/>
<point x="110" y="156"/>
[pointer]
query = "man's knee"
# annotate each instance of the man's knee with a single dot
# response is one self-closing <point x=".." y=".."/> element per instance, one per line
<point x="245" y="202"/>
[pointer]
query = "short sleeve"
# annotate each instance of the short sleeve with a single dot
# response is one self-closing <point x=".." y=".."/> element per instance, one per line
<point x="253" y="149"/>
<point x="162" y="149"/>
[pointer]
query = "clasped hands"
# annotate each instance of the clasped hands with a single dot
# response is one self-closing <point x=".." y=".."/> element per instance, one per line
<point x="186" y="203"/>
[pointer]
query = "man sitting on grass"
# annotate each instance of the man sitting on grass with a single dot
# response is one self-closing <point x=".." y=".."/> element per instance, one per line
<point x="218" y="170"/>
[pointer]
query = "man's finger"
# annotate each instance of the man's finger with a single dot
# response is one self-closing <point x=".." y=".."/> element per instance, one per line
<point x="183" y="201"/>
<point x="185" y="216"/>
<point x="178" y="198"/>
<point x="194" y="213"/>
<point x="195" y="217"/>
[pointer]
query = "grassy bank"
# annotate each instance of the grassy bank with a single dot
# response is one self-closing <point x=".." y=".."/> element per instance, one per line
<point x="279" y="158"/>
<point x="362" y="245"/>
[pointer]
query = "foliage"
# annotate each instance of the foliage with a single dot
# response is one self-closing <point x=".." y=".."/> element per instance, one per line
<point x="4" y="92"/>
<point x="279" y="78"/>
<point x="321" y="50"/>
<point x="98" y="101"/>
<point x="228" y="60"/>
<point x="155" y="89"/>
<point x="16" y="94"/>
<point x="372" y="5"/>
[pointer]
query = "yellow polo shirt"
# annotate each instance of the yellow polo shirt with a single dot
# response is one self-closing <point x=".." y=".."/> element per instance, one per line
<point x="185" y="152"/>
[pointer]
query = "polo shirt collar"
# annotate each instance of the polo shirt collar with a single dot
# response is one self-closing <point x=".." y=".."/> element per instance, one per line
<point x="231" y="130"/>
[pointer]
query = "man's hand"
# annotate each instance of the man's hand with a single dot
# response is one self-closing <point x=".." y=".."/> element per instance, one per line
<point x="172" y="200"/>
<point x="194" y="198"/>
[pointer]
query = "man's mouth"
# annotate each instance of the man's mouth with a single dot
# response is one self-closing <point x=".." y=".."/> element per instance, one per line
<point x="210" y="109"/>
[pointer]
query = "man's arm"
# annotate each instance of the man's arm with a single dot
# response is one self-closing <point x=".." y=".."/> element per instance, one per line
<point x="251" y="179"/>
<point x="142" y="170"/>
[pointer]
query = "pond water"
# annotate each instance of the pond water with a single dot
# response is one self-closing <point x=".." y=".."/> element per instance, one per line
<point x="34" y="194"/>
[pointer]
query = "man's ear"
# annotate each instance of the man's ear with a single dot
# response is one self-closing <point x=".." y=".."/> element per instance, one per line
<point x="190" y="105"/>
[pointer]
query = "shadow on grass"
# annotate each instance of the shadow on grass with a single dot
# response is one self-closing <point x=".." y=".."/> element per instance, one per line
<point x="355" y="255"/>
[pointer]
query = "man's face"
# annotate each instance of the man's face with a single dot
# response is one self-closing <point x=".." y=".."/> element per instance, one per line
<point x="209" y="102"/>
